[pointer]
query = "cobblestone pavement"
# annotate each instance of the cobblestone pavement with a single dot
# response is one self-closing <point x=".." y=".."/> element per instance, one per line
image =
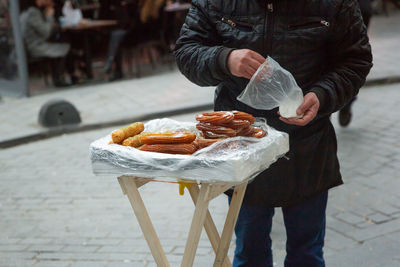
<point x="384" y="34"/>
<point x="54" y="212"/>
<point x="168" y="91"/>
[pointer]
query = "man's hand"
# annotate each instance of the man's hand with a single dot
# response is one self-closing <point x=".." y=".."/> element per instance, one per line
<point x="244" y="62"/>
<point x="309" y="108"/>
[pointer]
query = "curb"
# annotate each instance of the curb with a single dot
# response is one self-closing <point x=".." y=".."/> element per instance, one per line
<point x="383" y="81"/>
<point x="66" y="129"/>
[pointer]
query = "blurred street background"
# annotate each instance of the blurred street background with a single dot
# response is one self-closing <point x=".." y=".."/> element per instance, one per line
<point x="55" y="212"/>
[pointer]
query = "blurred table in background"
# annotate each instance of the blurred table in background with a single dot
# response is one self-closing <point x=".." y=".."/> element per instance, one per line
<point x="85" y="28"/>
<point x="89" y="7"/>
<point x="175" y="7"/>
<point x="90" y="25"/>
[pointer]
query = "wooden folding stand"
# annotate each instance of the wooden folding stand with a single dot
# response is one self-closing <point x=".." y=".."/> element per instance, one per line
<point x="201" y="197"/>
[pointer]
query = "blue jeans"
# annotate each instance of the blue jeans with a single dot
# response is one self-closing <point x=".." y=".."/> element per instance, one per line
<point x="305" y="231"/>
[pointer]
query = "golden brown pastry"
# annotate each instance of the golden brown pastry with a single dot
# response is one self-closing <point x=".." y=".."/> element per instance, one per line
<point x="246" y="131"/>
<point x="211" y="135"/>
<point x="168" y="138"/>
<point x="215" y="117"/>
<point x="259" y="133"/>
<point x="208" y="127"/>
<point x="202" y="142"/>
<point x="240" y="115"/>
<point x="120" y="135"/>
<point x="252" y="132"/>
<point x="186" y="149"/>
<point x="134" y="141"/>
<point x="236" y="124"/>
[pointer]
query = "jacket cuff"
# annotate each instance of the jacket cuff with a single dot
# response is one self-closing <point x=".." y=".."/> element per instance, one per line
<point x="323" y="98"/>
<point x="222" y="59"/>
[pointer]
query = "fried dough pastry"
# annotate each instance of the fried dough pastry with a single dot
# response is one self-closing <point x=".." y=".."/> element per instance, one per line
<point x="236" y="124"/>
<point x="208" y="127"/>
<point x="246" y="131"/>
<point x="217" y="117"/>
<point x="134" y="141"/>
<point x="168" y="138"/>
<point x="240" y="115"/>
<point x="211" y="135"/>
<point x="252" y="132"/>
<point x="186" y="149"/>
<point x="202" y="143"/>
<point x="196" y="143"/>
<point x="258" y="133"/>
<point x="120" y="135"/>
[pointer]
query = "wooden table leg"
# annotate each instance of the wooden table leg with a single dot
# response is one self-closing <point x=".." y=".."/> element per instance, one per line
<point x="230" y="222"/>
<point x="209" y="224"/>
<point x="130" y="187"/>
<point x="197" y="226"/>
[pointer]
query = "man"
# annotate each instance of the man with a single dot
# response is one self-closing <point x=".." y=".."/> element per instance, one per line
<point x="127" y="13"/>
<point x="8" y="66"/>
<point x="38" y="26"/>
<point x="323" y="43"/>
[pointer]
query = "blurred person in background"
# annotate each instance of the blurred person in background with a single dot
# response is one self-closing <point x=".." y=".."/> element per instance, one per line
<point x="8" y="68"/>
<point x="127" y="14"/>
<point x="138" y="20"/>
<point x="4" y="17"/>
<point x="345" y="113"/>
<point x="58" y="5"/>
<point x="38" y="26"/>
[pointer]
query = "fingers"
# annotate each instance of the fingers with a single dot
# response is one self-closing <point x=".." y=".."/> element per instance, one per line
<point x="259" y="58"/>
<point x="248" y="74"/>
<point x="249" y="68"/>
<point x="244" y="62"/>
<point x="254" y="64"/>
<point x="307" y="103"/>
<point x="309" y="115"/>
<point x="310" y="101"/>
<point x="299" y="122"/>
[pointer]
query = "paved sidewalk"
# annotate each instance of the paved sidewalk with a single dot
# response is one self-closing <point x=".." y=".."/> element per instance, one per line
<point x="55" y="212"/>
<point x="168" y="92"/>
<point x="384" y="34"/>
<point x="107" y="103"/>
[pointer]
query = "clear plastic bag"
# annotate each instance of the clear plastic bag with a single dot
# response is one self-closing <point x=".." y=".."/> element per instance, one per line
<point x="231" y="160"/>
<point x="272" y="86"/>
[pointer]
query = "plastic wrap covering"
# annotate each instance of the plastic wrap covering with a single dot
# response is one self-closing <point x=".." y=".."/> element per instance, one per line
<point x="272" y="86"/>
<point x="231" y="160"/>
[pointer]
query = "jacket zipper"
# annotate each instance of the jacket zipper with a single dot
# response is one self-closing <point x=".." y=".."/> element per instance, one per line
<point x="237" y="24"/>
<point x="310" y="24"/>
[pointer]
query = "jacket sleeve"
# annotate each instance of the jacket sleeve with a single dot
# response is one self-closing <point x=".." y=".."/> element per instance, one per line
<point x="43" y="27"/>
<point x="198" y="53"/>
<point x="350" y="59"/>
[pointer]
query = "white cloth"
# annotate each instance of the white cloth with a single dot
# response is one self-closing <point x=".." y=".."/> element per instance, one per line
<point x="70" y="16"/>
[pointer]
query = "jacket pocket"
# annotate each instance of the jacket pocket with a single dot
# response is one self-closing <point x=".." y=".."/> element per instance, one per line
<point x="235" y="24"/>
<point x="308" y="23"/>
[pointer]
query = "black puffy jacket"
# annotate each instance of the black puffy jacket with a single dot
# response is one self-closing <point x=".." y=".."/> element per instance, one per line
<point x="323" y="43"/>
